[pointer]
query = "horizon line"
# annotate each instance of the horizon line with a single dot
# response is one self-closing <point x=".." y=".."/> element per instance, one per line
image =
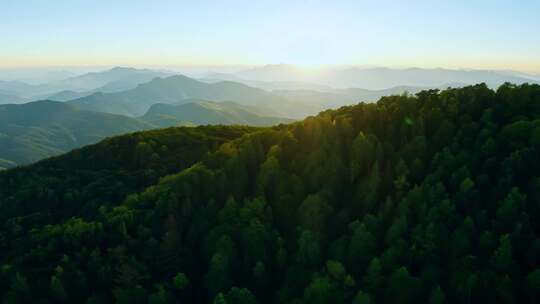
<point x="247" y="65"/>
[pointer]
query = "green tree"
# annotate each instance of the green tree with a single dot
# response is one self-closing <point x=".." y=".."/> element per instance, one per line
<point x="510" y="208"/>
<point x="363" y="153"/>
<point x="362" y="247"/>
<point x="220" y="299"/>
<point x="218" y="277"/>
<point x="533" y="280"/>
<point x="180" y="281"/>
<point x="240" y="296"/>
<point x="57" y="289"/>
<point x="128" y="295"/>
<point x="336" y="270"/>
<point x="437" y="296"/>
<point x="309" y="251"/>
<point x="402" y="287"/>
<point x="502" y="258"/>
<point x="320" y="291"/>
<point x="362" y="298"/>
<point x="159" y="297"/>
<point x="20" y="290"/>
<point x="314" y="213"/>
<point x="374" y="279"/>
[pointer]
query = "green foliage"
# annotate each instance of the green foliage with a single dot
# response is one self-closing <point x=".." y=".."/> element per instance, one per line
<point x="362" y="298"/>
<point x="321" y="290"/>
<point x="220" y="299"/>
<point x="533" y="280"/>
<point x="437" y="296"/>
<point x="57" y="289"/>
<point x="180" y="281"/>
<point x="335" y="270"/>
<point x="502" y="259"/>
<point x="129" y="295"/>
<point x="430" y="198"/>
<point x="401" y="287"/>
<point x="240" y="296"/>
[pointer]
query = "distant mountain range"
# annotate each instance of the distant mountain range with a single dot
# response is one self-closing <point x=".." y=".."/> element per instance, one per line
<point x="381" y="78"/>
<point x="113" y="80"/>
<point x="176" y="88"/>
<point x="9" y="98"/>
<point x="37" y="75"/>
<point x="19" y="89"/>
<point x="269" y="77"/>
<point x="338" y="97"/>
<point x="266" y="85"/>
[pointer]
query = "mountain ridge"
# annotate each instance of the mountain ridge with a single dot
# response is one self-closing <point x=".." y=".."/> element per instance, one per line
<point x="197" y="112"/>
<point x="379" y="78"/>
<point x="35" y="130"/>
<point x="173" y="89"/>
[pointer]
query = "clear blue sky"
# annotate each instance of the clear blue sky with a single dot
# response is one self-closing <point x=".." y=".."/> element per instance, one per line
<point x="457" y="34"/>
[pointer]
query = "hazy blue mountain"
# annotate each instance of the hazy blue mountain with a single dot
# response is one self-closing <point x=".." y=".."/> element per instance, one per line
<point x="18" y="88"/>
<point x="202" y="112"/>
<point x="9" y="98"/>
<point x="176" y="88"/>
<point x="266" y="85"/>
<point x="275" y="72"/>
<point x="35" y="130"/>
<point x="108" y="81"/>
<point x="112" y="80"/>
<point x="380" y="78"/>
<point x="340" y="97"/>
<point x="4" y="164"/>
<point x="384" y="77"/>
<point x="67" y="95"/>
<point x="35" y="76"/>
<point x="216" y="77"/>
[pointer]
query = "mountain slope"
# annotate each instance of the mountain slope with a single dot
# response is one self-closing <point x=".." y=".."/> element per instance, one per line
<point x="430" y="198"/>
<point x="20" y="89"/>
<point x="9" y="98"/>
<point x="173" y="89"/>
<point x="113" y="80"/>
<point x="201" y="112"/>
<point x="33" y="131"/>
<point x="106" y="172"/>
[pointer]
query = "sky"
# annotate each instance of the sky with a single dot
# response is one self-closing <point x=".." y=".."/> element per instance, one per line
<point x="480" y="34"/>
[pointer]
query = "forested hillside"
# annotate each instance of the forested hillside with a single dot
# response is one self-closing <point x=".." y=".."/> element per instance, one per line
<point x="203" y="112"/>
<point x="36" y="130"/>
<point x="32" y="131"/>
<point x="432" y="198"/>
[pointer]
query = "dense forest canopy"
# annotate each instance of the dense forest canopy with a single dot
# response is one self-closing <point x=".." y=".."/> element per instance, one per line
<point x="432" y="198"/>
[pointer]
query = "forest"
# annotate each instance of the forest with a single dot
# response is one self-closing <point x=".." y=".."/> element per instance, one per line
<point x="425" y="198"/>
